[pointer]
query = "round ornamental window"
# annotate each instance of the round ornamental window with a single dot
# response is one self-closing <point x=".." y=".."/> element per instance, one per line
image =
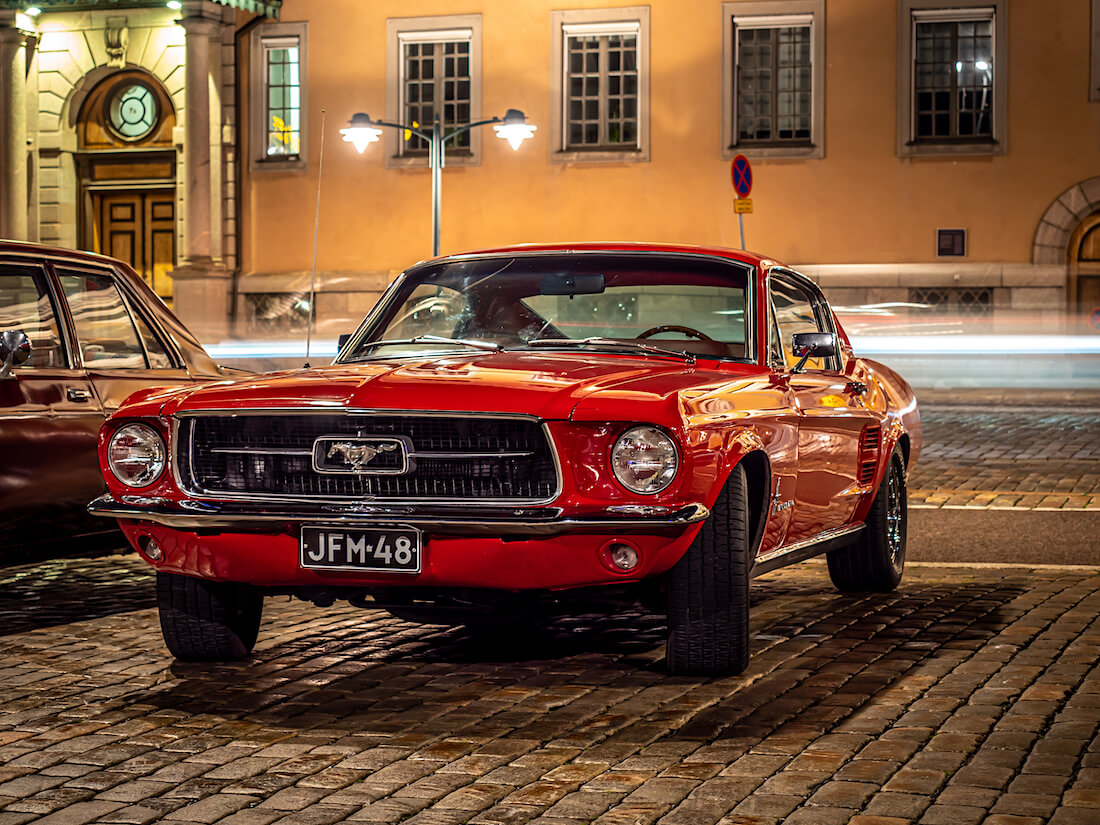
<point x="132" y="111"/>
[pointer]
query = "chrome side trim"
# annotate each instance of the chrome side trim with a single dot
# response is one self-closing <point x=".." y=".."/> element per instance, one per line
<point x="828" y="535"/>
<point x="203" y="516"/>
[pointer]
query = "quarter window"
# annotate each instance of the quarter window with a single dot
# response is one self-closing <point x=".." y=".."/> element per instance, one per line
<point x="105" y="331"/>
<point x="25" y="305"/>
<point x="793" y="311"/>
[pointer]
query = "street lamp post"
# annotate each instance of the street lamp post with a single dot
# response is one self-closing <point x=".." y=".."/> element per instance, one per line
<point x="362" y="131"/>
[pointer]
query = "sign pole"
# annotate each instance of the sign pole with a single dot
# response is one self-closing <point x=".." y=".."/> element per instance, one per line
<point x="741" y="224"/>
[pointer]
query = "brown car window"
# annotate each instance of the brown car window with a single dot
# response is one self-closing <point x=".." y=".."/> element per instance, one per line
<point x="154" y="349"/>
<point x="793" y="309"/>
<point x="104" y="329"/>
<point x="25" y="304"/>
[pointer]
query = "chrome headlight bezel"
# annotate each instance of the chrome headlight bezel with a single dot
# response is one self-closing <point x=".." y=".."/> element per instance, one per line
<point x="156" y="459"/>
<point x="668" y="461"/>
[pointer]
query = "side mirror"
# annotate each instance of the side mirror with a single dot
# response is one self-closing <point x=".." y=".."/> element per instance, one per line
<point x="809" y="345"/>
<point x="15" y="348"/>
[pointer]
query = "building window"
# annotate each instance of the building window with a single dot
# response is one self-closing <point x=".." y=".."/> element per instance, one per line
<point x="436" y="80"/>
<point x="279" y="96"/>
<point x="953" y="85"/>
<point x="951" y="243"/>
<point x="773" y="78"/>
<point x="601" y="84"/>
<point x="601" y="81"/>
<point x="433" y="68"/>
<point x="954" y="95"/>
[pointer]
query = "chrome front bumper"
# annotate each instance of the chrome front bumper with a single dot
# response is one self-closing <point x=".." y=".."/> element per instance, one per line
<point x="485" y="522"/>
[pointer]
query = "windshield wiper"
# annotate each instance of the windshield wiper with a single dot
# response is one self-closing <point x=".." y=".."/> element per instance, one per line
<point x="597" y="341"/>
<point x="490" y="346"/>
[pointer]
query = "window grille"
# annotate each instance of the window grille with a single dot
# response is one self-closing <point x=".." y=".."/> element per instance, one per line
<point x="601" y="91"/>
<point x="437" y="79"/>
<point x="283" y="102"/>
<point x="774" y="85"/>
<point x="953" y="79"/>
<point x="976" y="302"/>
<point x="277" y="312"/>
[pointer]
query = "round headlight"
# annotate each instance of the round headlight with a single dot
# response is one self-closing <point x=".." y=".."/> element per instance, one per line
<point x="644" y="460"/>
<point x="136" y="455"/>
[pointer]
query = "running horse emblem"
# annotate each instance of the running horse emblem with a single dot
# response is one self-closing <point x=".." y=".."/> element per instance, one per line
<point x="358" y="455"/>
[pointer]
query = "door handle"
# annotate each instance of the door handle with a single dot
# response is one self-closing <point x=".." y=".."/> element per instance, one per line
<point x="75" y="394"/>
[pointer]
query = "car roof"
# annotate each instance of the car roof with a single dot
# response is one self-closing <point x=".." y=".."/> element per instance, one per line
<point x="24" y="248"/>
<point x="751" y="258"/>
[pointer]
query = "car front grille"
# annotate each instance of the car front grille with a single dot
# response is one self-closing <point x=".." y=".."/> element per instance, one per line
<point x="450" y="458"/>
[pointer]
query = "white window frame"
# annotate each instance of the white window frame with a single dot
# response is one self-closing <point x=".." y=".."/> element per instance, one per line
<point x="910" y="12"/>
<point x="760" y="14"/>
<point x="402" y="30"/>
<point x="630" y="20"/>
<point x="262" y="36"/>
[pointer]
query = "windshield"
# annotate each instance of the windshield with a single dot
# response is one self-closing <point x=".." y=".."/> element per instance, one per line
<point x="636" y="303"/>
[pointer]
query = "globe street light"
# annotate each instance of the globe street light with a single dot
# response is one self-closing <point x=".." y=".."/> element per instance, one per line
<point x="361" y="131"/>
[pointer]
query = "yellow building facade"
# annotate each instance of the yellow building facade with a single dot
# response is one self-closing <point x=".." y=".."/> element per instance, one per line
<point x="938" y="152"/>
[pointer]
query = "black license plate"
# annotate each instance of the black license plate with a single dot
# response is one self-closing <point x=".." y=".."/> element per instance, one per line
<point x="390" y="550"/>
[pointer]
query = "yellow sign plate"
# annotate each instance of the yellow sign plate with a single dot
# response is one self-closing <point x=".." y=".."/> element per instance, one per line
<point x="742" y="205"/>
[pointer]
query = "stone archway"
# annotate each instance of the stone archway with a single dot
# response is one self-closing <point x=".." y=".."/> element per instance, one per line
<point x="1063" y="216"/>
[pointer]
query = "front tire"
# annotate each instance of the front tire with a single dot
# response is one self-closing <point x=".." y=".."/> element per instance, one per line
<point x="708" y="591"/>
<point x="205" y="621"/>
<point x="877" y="561"/>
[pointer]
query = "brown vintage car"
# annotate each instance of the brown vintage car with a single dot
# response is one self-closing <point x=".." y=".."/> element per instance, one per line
<point x="78" y="334"/>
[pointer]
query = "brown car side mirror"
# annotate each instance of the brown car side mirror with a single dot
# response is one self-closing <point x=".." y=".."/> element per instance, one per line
<point x="15" y="348"/>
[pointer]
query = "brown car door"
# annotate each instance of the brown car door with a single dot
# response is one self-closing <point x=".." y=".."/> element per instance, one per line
<point x="117" y="345"/>
<point x="831" y="417"/>
<point x="49" y="421"/>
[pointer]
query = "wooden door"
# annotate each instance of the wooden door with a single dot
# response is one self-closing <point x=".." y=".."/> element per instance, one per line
<point x="139" y="227"/>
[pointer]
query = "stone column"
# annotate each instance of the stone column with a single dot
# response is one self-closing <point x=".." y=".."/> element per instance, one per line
<point x="13" y="132"/>
<point x="201" y="284"/>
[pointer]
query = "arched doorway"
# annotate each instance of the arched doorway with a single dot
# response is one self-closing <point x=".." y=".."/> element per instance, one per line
<point x="126" y="163"/>
<point x="1084" y="267"/>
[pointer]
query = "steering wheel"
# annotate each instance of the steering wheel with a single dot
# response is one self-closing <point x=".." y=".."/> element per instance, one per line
<point x="693" y="333"/>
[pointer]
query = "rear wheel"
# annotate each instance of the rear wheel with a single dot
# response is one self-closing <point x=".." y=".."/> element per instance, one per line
<point x="205" y="621"/>
<point x="877" y="561"/>
<point x="708" y="591"/>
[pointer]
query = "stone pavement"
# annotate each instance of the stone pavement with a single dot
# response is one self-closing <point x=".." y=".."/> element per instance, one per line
<point x="1008" y="457"/>
<point x="968" y="696"/>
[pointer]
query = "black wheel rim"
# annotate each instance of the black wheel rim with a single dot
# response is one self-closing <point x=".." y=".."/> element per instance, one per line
<point x="895" y="517"/>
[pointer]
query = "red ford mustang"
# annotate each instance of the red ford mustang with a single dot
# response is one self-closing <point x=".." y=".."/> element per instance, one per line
<point x="530" y="428"/>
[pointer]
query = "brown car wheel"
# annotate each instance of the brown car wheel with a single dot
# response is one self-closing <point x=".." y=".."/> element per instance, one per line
<point x="708" y="591"/>
<point x="205" y="621"/>
<point x="877" y="561"/>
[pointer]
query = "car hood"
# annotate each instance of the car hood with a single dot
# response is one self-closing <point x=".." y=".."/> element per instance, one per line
<point x="546" y="385"/>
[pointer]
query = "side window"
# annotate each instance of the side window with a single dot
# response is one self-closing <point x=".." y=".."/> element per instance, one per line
<point x="154" y="349"/>
<point x="104" y="329"/>
<point x="25" y="305"/>
<point x="793" y="309"/>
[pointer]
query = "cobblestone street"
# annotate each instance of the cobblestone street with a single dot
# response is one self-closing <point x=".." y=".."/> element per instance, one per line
<point x="968" y="696"/>
<point x="1009" y="457"/>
